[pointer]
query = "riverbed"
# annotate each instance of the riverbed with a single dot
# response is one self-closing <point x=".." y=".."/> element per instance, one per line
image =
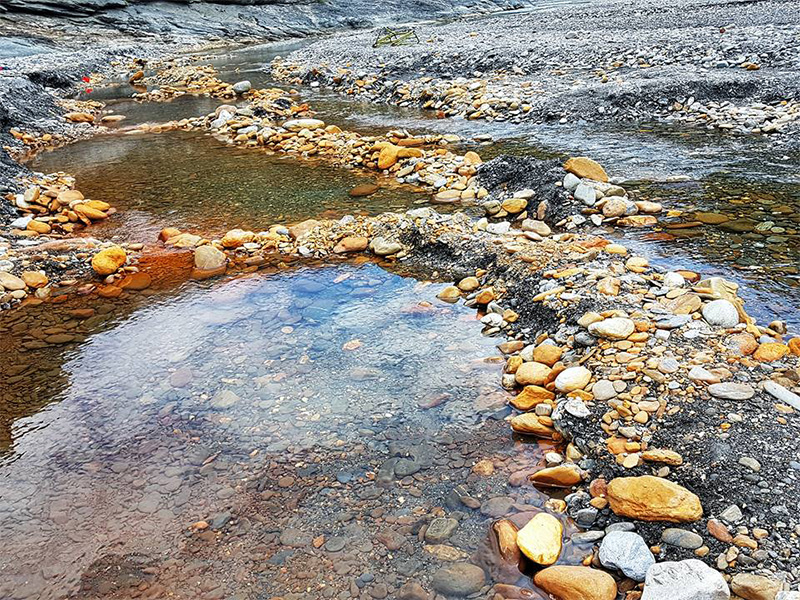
<point x="297" y="431"/>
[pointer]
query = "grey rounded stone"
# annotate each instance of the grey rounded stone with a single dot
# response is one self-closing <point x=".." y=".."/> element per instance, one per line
<point x="675" y="536"/>
<point x="242" y="87"/>
<point x="440" y="529"/>
<point x="458" y="579"/>
<point x="627" y="552"/>
<point x="779" y="392"/>
<point x="335" y="544"/>
<point x="224" y="399"/>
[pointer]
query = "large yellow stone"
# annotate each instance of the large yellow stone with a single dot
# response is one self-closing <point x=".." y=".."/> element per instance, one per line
<point x="107" y="261"/>
<point x="586" y="167"/>
<point x="770" y="351"/>
<point x="34" y="279"/>
<point x="38" y="226"/>
<point x="449" y="294"/>
<point x="530" y="396"/>
<point x="547" y="354"/>
<point x="390" y="154"/>
<point x="560" y="476"/>
<point x="236" y="238"/>
<point x="531" y="424"/>
<point x="540" y="539"/>
<point x="532" y="373"/>
<point x="89" y="212"/>
<point x="576" y="583"/>
<point x="649" y="498"/>
<point x="514" y="205"/>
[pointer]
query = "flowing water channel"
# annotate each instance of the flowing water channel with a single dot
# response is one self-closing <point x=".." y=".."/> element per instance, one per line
<point x="337" y="401"/>
<point x="292" y="432"/>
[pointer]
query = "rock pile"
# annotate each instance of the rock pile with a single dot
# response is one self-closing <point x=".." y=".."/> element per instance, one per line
<point x="52" y="205"/>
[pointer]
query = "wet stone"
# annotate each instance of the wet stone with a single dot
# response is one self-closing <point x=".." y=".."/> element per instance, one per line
<point x="440" y="529"/>
<point x="681" y="538"/>
<point x="335" y="544"/>
<point x="224" y="399"/>
<point x="405" y="467"/>
<point x="459" y="579"/>
<point x="497" y="507"/>
<point x="294" y="538"/>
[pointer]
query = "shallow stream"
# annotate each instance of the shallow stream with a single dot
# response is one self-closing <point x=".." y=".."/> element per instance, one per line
<point x="295" y="431"/>
<point x="275" y="408"/>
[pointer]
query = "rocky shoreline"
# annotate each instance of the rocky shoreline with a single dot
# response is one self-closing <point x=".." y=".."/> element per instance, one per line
<point x="678" y="412"/>
<point x="691" y="63"/>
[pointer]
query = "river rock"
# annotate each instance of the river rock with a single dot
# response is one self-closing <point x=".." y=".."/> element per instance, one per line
<point x="224" y="399"/>
<point x="675" y="536"/>
<point x="755" y="587"/>
<point x="649" y="498"/>
<point x="79" y="117"/>
<point x="779" y="392"/>
<point x="538" y="227"/>
<point x="136" y="281"/>
<point x="615" y="207"/>
<point x="458" y="579"/>
<point x="412" y="590"/>
<point x="627" y="552"/>
<point x="570" y="182"/>
<point x="11" y="282"/>
<point x="236" y="238"/>
<point x="514" y="205"/>
<point x="609" y="286"/>
<point x="603" y="390"/>
<point x="351" y="243"/>
<point x="547" y="354"/>
<point x="684" y="580"/>
<point x="586" y="168"/>
<point x="108" y="260"/>
<point x="365" y="189"/>
<point x="300" y="124"/>
<point x="530" y="396"/>
<point x="616" y="328"/>
<point x="576" y="583"/>
<point x="770" y="351"/>
<point x="440" y="529"/>
<point x="470" y="284"/>
<point x="242" y="87"/>
<point x="383" y="247"/>
<point x="573" y="378"/>
<point x="531" y="424"/>
<point x="731" y="391"/>
<point x="532" y="373"/>
<point x="721" y="313"/>
<point x="300" y="229"/>
<point x="209" y="258"/>
<point x="560" y="476"/>
<point x="586" y="194"/>
<point x="34" y="279"/>
<point x="38" y="226"/>
<point x="540" y="539"/>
